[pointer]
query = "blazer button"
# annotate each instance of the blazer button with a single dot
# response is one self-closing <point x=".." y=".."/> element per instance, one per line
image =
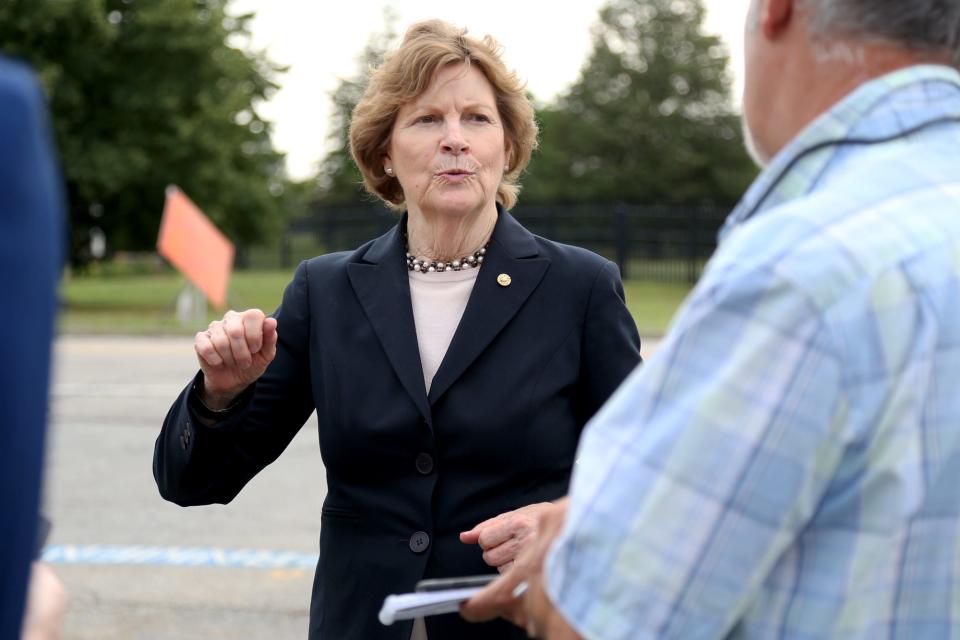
<point x="424" y="463"/>
<point x="419" y="542"/>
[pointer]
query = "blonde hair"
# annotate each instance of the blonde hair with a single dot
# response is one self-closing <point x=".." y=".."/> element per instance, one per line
<point x="406" y="74"/>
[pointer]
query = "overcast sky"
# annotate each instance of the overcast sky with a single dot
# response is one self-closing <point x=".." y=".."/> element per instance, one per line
<point x="545" y="42"/>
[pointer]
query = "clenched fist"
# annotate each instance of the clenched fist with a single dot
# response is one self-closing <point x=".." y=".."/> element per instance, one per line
<point x="233" y="353"/>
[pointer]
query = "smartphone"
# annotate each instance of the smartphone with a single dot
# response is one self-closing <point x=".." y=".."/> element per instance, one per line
<point x="465" y="582"/>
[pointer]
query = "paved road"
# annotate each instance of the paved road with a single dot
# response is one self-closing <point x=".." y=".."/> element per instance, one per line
<point x="141" y="568"/>
<point x="109" y="398"/>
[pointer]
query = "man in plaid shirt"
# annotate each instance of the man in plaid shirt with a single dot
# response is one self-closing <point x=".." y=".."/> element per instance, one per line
<point x="787" y="465"/>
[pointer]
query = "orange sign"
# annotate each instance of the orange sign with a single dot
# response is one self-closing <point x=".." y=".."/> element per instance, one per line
<point x="195" y="246"/>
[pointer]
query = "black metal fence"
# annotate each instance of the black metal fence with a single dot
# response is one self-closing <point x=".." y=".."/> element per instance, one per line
<point x="647" y="242"/>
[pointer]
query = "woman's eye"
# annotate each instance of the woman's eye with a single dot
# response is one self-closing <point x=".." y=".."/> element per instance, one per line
<point x="426" y="119"/>
<point x="479" y="117"/>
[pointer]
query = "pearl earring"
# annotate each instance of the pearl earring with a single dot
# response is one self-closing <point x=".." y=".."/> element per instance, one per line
<point x="506" y="167"/>
<point x="389" y="171"/>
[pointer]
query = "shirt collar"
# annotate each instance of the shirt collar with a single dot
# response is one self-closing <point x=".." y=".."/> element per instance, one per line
<point x="798" y="167"/>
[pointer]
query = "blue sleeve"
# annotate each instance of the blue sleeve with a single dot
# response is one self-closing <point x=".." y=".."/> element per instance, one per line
<point x="31" y="218"/>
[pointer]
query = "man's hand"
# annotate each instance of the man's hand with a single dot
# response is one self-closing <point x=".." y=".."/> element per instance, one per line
<point x="46" y="605"/>
<point x="233" y="353"/>
<point x="531" y="610"/>
<point x="503" y="536"/>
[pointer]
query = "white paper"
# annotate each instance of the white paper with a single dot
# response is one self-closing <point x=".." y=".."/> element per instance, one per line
<point x="428" y="603"/>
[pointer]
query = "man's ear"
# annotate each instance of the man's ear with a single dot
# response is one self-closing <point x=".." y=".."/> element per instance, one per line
<point x="775" y="17"/>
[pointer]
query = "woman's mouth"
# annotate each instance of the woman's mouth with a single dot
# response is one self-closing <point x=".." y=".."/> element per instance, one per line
<point x="455" y="175"/>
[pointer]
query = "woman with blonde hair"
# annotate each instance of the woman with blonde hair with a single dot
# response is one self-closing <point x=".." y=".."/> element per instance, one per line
<point x="452" y="361"/>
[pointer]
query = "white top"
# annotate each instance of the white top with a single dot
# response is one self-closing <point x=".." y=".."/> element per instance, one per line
<point x="439" y="300"/>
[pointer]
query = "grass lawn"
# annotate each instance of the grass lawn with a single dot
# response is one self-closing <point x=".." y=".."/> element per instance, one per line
<point x="652" y="304"/>
<point x="145" y="304"/>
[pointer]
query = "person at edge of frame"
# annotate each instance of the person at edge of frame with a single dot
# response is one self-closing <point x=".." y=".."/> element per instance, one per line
<point x="786" y="464"/>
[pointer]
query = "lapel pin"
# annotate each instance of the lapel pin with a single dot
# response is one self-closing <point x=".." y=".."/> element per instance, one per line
<point x="504" y="280"/>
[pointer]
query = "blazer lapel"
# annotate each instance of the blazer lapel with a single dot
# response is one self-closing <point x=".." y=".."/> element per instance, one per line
<point x="512" y="252"/>
<point x="383" y="288"/>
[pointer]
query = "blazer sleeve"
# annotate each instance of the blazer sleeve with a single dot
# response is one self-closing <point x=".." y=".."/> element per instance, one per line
<point x="194" y="463"/>
<point x="611" y="344"/>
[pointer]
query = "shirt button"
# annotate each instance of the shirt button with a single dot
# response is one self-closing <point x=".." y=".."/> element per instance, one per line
<point x="424" y="463"/>
<point x="419" y="542"/>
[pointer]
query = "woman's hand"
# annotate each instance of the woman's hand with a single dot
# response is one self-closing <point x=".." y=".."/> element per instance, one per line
<point x="502" y="537"/>
<point x="530" y="610"/>
<point x="233" y="353"/>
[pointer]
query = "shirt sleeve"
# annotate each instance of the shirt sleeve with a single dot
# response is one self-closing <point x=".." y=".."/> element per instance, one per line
<point x="703" y="466"/>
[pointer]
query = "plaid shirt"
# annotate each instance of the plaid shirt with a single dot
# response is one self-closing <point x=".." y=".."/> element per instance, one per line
<point x="787" y="464"/>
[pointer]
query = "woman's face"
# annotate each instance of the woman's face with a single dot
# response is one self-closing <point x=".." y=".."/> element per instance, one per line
<point x="447" y="147"/>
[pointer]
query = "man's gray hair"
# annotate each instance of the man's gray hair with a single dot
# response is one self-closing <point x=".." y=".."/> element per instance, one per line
<point x="923" y="25"/>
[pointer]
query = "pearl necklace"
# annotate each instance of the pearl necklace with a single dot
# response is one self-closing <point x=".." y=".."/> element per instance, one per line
<point x="467" y="262"/>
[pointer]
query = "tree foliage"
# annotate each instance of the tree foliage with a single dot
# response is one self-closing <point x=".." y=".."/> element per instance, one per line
<point x="340" y="180"/>
<point x="649" y="119"/>
<point x="145" y="93"/>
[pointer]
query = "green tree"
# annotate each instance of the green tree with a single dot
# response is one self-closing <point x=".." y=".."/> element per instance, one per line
<point x="649" y="119"/>
<point x="148" y="93"/>
<point x="340" y="180"/>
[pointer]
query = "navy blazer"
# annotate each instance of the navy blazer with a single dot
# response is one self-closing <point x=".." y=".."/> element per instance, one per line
<point x="31" y="222"/>
<point x="528" y="365"/>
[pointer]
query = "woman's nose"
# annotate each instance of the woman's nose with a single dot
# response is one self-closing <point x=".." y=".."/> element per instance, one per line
<point x="453" y="139"/>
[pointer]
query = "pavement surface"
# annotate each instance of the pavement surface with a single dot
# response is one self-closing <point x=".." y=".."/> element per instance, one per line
<point x="137" y="567"/>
